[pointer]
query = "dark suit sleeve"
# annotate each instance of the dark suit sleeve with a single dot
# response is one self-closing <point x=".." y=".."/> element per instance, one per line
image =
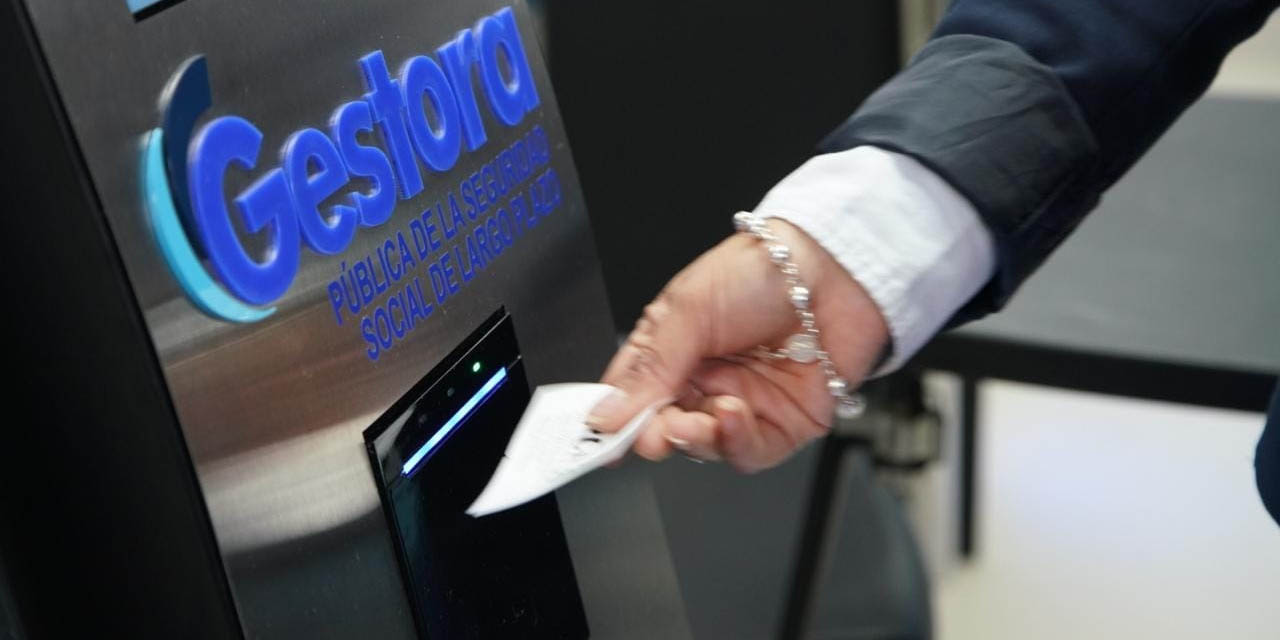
<point x="1033" y="108"/>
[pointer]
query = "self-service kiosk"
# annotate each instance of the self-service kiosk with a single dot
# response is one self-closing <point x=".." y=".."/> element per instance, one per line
<point x="284" y="274"/>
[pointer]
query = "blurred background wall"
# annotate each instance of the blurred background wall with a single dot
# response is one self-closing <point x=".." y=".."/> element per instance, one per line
<point x="682" y="113"/>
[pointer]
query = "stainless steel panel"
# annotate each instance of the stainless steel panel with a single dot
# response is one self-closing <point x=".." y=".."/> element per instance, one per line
<point x="273" y="412"/>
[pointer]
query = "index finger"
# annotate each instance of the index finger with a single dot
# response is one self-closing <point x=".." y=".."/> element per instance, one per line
<point x="653" y="364"/>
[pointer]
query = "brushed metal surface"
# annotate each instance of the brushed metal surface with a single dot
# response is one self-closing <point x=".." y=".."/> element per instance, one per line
<point x="272" y="412"/>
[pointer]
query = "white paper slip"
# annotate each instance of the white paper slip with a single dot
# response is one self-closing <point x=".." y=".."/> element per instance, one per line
<point x="552" y="445"/>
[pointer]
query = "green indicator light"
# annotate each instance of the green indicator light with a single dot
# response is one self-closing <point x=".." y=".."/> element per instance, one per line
<point x="475" y="368"/>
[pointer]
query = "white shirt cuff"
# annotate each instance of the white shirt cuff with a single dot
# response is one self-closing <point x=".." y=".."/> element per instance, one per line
<point x="912" y="241"/>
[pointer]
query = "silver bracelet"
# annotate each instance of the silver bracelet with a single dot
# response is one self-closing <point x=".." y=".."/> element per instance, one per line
<point x="803" y="347"/>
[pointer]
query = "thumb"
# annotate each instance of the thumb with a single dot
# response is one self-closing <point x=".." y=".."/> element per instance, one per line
<point x="655" y="362"/>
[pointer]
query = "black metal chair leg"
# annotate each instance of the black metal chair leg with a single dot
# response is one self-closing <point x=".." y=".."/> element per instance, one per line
<point x="968" y="464"/>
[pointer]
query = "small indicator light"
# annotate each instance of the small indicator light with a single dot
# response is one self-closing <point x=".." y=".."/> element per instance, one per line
<point x="475" y="368"/>
<point x="483" y="394"/>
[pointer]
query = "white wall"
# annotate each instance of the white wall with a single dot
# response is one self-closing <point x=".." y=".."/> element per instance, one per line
<point x="1253" y="69"/>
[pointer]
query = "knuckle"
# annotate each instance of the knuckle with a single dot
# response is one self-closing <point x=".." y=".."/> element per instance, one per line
<point x="645" y="360"/>
<point x="659" y="309"/>
<point x="680" y="294"/>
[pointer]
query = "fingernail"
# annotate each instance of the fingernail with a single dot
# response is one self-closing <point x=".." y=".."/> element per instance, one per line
<point x="679" y="443"/>
<point x="608" y="409"/>
<point x="731" y="420"/>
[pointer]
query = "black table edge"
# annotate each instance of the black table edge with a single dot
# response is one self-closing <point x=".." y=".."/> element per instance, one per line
<point x="976" y="357"/>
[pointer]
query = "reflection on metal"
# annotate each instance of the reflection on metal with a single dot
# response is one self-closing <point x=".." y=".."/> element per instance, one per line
<point x="10" y="629"/>
<point x="273" y="412"/>
<point x="275" y="502"/>
<point x="175" y="247"/>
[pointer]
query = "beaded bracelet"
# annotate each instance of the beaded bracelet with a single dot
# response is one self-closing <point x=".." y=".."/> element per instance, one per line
<point x="803" y="347"/>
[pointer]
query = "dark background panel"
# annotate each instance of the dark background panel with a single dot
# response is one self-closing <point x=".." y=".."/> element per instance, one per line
<point x="681" y="113"/>
<point x="734" y="540"/>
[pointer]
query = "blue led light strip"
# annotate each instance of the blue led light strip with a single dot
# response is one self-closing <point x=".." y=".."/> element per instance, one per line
<point x="462" y="413"/>
<point x="138" y="5"/>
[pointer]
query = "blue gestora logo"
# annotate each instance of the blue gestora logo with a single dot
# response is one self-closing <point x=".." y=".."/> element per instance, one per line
<point x="183" y="175"/>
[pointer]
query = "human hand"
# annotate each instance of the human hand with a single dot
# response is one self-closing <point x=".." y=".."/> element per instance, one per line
<point x="692" y="342"/>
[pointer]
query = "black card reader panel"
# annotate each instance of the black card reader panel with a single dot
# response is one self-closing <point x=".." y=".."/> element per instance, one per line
<point x="506" y="575"/>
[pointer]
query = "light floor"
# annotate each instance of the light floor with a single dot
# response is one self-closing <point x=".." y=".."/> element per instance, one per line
<point x="1102" y="517"/>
